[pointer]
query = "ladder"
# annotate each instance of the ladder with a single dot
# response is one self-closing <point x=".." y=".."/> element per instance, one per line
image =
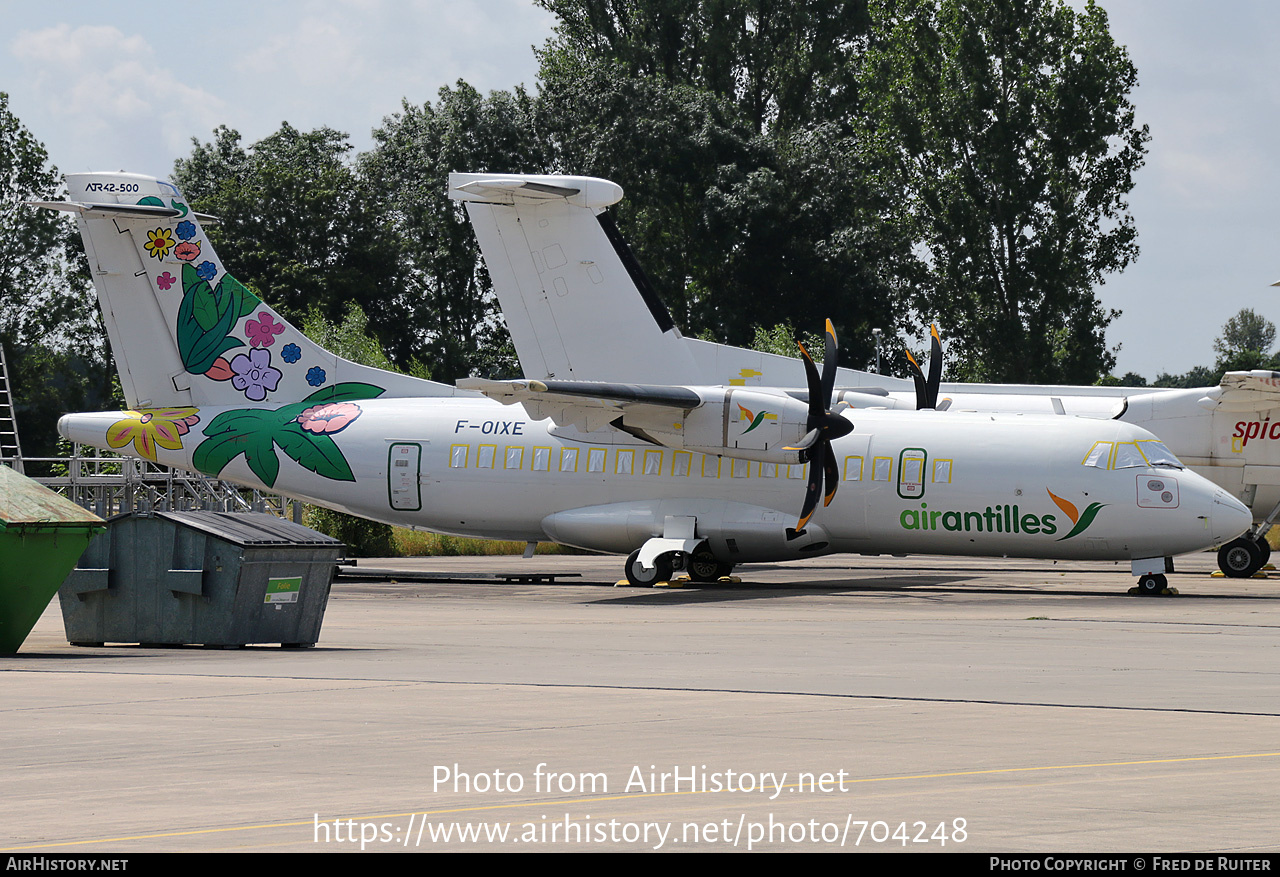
<point x="10" y="450"/>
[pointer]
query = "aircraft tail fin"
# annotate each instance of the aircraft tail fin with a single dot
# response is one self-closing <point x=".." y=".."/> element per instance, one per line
<point x="568" y="284"/>
<point x="184" y="332"/>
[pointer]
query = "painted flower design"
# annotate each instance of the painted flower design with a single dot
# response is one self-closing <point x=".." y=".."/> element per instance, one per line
<point x="291" y="353"/>
<point x="315" y="376"/>
<point x="153" y="428"/>
<point x="188" y="251"/>
<point x="159" y="242"/>
<point x="206" y="270"/>
<point x="253" y="375"/>
<point x="166" y="280"/>
<point x="328" y="419"/>
<point x="262" y="332"/>
<point x="186" y="229"/>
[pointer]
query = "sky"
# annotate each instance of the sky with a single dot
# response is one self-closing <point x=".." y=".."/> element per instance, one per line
<point x="126" y="86"/>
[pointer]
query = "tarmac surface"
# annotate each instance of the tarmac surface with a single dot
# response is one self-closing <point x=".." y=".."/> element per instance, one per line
<point x="857" y="703"/>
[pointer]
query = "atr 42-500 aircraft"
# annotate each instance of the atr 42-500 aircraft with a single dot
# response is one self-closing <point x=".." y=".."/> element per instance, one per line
<point x="580" y="308"/>
<point x="675" y="475"/>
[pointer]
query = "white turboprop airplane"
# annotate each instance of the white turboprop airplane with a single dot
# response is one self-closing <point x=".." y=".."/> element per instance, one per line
<point x="220" y="384"/>
<point x="580" y="308"/>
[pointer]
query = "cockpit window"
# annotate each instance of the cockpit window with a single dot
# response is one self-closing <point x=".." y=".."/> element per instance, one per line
<point x="1131" y="455"/>
<point x="1158" y="455"/>
<point x="1099" y="456"/>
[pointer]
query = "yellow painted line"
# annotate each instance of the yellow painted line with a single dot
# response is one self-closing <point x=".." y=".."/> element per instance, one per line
<point x="631" y="797"/>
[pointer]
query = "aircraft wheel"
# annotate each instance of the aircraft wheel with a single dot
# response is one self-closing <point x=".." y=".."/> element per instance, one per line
<point x="645" y="578"/>
<point x="703" y="567"/>
<point x="1240" y="558"/>
<point x="1153" y="585"/>
<point x="1265" y="547"/>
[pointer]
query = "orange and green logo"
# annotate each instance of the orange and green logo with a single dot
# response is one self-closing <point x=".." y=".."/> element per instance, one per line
<point x="755" y="419"/>
<point x="1082" y="520"/>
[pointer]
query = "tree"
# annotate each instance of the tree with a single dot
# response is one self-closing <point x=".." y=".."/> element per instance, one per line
<point x="1006" y="130"/>
<point x="300" y="228"/>
<point x="49" y="323"/>
<point x="1246" y="336"/>
<point x="726" y="123"/>
<point x="781" y="65"/>
<point x="444" y="276"/>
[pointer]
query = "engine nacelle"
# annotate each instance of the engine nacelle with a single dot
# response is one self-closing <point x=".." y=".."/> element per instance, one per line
<point x="736" y="422"/>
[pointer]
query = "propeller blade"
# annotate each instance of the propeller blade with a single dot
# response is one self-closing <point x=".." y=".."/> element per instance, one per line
<point x="831" y="473"/>
<point x="935" y="369"/>
<point x="829" y="366"/>
<point x="813" y="489"/>
<point x="816" y="408"/>
<point x="922" y="397"/>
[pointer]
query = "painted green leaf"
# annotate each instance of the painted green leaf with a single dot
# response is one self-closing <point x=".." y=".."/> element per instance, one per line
<point x="204" y="307"/>
<point x="239" y="296"/>
<point x="262" y="459"/>
<point x="350" y="391"/>
<point x="245" y="431"/>
<point x="317" y="453"/>
<point x="180" y="207"/>
<point x="150" y="201"/>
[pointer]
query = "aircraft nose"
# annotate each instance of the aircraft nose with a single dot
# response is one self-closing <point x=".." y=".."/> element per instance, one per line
<point x="1228" y="517"/>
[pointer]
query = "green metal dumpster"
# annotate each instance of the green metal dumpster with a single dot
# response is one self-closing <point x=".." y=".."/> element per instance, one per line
<point x="41" y="537"/>
<point x="208" y="578"/>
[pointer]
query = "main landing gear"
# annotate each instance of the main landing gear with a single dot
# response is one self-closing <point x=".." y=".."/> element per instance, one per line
<point x="1241" y="558"/>
<point x="701" y="566"/>
<point x="1152" y="585"/>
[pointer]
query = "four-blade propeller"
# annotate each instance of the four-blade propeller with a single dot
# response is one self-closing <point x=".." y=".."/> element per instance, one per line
<point x="824" y="426"/>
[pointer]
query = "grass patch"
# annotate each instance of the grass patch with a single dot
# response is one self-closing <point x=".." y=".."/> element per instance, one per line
<point x="418" y="543"/>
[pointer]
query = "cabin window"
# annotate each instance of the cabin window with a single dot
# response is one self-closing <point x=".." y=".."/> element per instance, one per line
<point x="710" y="466"/>
<point x="768" y="470"/>
<point x="595" y="460"/>
<point x="795" y="470"/>
<point x="882" y="469"/>
<point x="680" y="462"/>
<point x="623" y="462"/>
<point x="515" y="457"/>
<point x="458" y="457"/>
<point x="852" y="468"/>
<point x="568" y="459"/>
<point x="541" y="460"/>
<point x="740" y="469"/>
<point x="485" y="455"/>
<point x="653" y="462"/>
<point x="941" y="471"/>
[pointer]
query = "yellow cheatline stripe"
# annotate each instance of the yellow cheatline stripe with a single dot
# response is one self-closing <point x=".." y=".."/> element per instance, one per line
<point x="598" y="800"/>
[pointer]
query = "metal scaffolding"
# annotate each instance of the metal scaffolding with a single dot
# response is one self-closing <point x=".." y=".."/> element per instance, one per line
<point x="108" y="484"/>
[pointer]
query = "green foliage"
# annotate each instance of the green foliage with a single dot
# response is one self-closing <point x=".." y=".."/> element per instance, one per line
<point x="1007" y="133"/>
<point x="461" y="330"/>
<point x="49" y="323"/>
<point x="363" y="538"/>
<point x="1246" y="337"/>
<point x="781" y="340"/>
<point x="299" y="226"/>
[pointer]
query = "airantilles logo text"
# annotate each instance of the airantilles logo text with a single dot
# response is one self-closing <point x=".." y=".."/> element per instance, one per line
<point x="1000" y="519"/>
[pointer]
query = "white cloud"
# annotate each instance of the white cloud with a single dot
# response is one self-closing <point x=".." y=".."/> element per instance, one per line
<point x="114" y="88"/>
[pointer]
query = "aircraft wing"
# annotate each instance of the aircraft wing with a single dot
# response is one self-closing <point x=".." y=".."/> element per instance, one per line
<point x="591" y="405"/>
<point x="1255" y="390"/>
<point x="755" y="424"/>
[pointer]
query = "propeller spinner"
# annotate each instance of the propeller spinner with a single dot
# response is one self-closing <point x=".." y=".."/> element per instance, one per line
<point x="824" y="426"/>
